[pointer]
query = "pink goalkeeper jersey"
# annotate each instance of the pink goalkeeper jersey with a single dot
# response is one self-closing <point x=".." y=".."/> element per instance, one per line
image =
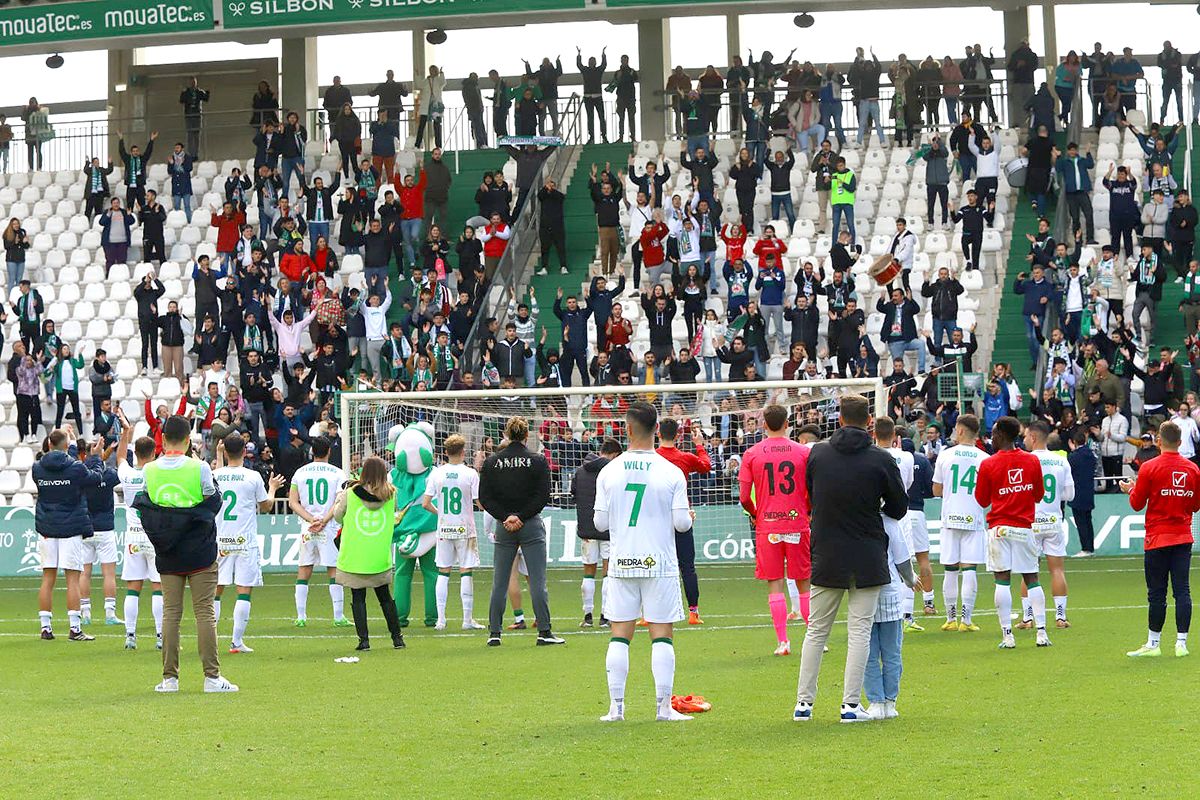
<point x="772" y="487"/>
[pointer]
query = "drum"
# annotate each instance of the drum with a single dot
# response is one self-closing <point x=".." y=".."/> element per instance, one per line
<point x="1015" y="171"/>
<point x="885" y="269"/>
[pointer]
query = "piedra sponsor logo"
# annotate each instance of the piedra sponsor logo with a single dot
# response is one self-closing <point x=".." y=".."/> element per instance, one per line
<point x="646" y="562"/>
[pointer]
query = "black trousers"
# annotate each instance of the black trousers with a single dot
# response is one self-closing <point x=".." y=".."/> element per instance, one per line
<point x="685" y="547"/>
<point x="1087" y="531"/>
<point x="986" y="187"/>
<point x="358" y="609"/>
<point x="29" y="414"/>
<point x="933" y="193"/>
<point x="154" y="249"/>
<point x="1112" y="469"/>
<point x="149" y="331"/>
<point x="1163" y="564"/>
<point x="579" y="361"/>
<point x="94" y="205"/>
<point x="555" y="238"/>
<point x="595" y="105"/>
<point x="478" y="129"/>
<point x="31" y="337"/>
<point x="63" y="397"/>
<point x="972" y="247"/>
<point x="626" y="108"/>
<point x="135" y="197"/>
<point x="437" y="130"/>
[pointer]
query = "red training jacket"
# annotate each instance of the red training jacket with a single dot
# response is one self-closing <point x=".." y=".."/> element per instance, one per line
<point x="1168" y="487"/>
<point x="1011" y="483"/>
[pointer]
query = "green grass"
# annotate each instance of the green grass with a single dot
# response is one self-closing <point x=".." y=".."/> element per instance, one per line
<point x="450" y="717"/>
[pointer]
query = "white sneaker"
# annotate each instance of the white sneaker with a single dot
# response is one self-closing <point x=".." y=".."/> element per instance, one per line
<point x="541" y="271"/>
<point x="1008" y="642"/>
<point x="802" y="713"/>
<point x="671" y="715"/>
<point x="876" y="711"/>
<point x="784" y="648"/>
<point x="471" y="625"/>
<point x="855" y="713"/>
<point x="1083" y="554"/>
<point x="168" y="686"/>
<point x="889" y="709"/>
<point x="1043" y="639"/>
<point x="218" y="684"/>
<point x="240" y="648"/>
<point x="440" y="626"/>
<point x="616" y="713"/>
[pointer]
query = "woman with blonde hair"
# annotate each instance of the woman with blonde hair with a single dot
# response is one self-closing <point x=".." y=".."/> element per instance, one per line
<point x="366" y="510"/>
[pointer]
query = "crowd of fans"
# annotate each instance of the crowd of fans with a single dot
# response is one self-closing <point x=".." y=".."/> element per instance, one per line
<point x="278" y="332"/>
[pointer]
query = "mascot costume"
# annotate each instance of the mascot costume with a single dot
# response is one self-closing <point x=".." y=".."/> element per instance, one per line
<point x="416" y="529"/>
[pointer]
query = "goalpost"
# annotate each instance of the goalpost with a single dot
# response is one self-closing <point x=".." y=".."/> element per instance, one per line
<point x="568" y="424"/>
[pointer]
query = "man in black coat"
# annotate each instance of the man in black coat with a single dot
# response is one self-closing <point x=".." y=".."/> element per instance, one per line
<point x="153" y="215"/>
<point x="849" y="482"/>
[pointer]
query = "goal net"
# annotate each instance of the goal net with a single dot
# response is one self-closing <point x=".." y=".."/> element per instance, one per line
<point x="567" y="425"/>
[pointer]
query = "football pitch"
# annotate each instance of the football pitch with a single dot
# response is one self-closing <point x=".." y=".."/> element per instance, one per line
<point x="449" y="717"/>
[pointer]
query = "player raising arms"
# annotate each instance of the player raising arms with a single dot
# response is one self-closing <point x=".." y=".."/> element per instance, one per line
<point x="641" y="500"/>
<point x="452" y="493"/>
<point x="239" y="559"/>
<point x="964" y="526"/>
<point x="1010" y="482"/>
<point x="685" y="542"/>
<point x="138" y="565"/>
<point x="311" y="497"/>
<point x="773" y="492"/>
<point x="1050" y="523"/>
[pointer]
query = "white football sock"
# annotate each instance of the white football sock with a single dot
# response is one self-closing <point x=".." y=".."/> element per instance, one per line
<point x="85" y="606"/>
<point x="131" y="613"/>
<point x="443" y="593"/>
<point x="466" y="593"/>
<point x="950" y="594"/>
<point x="662" y="665"/>
<point x="1181" y="638"/>
<point x="45" y="617"/>
<point x="241" y="616"/>
<point x="1003" y="597"/>
<point x="217" y="609"/>
<point x="601" y="596"/>
<point x="970" y="591"/>
<point x="927" y="597"/>
<point x="907" y="596"/>
<point x="587" y="588"/>
<point x="616" y="665"/>
<point x="110" y="607"/>
<point x="794" y="595"/>
<point x="1152" y="640"/>
<point x="1037" y="599"/>
<point x="1060" y="607"/>
<point x="156" y="610"/>
<point x="338" y="596"/>
<point x="1027" y="607"/>
<point x="73" y="619"/>
<point x="301" y="601"/>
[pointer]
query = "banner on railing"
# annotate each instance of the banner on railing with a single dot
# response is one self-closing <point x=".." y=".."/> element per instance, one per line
<point x="1119" y="531"/>
<point x="521" y="141"/>
<point x="276" y="13"/>
<point x="102" y="20"/>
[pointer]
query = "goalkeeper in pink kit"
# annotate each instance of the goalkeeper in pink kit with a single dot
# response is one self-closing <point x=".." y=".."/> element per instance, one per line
<point x="773" y="492"/>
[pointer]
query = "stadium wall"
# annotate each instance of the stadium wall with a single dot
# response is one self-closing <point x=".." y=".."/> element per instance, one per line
<point x="1119" y="531"/>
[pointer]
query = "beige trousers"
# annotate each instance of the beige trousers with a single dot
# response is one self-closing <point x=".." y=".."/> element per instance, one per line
<point x="826" y="603"/>
<point x="204" y="587"/>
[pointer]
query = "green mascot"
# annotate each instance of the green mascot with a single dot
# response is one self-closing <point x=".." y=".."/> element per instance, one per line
<point x="416" y="529"/>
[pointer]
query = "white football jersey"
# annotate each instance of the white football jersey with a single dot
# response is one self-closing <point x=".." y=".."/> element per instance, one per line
<point x="132" y="481"/>
<point x="1059" y="488"/>
<point x="956" y="471"/>
<point x="641" y="490"/>
<point x="453" y="489"/>
<point x="906" y="463"/>
<point x="317" y="485"/>
<point x="241" y="491"/>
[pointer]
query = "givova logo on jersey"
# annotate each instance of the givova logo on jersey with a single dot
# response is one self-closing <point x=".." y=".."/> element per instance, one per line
<point x="1178" y="486"/>
<point x="642" y="562"/>
<point x="1016" y="482"/>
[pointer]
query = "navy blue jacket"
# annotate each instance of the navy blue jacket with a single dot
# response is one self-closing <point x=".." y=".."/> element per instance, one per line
<point x="100" y="501"/>
<point x="1034" y="292"/>
<point x="922" y="485"/>
<point x="62" y="509"/>
<point x="184" y="539"/>
<point x="600" y="303"/>
<point x="1083" y="472"/>
<point x="575" y="323"/>
<point x="908" y="319"/>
